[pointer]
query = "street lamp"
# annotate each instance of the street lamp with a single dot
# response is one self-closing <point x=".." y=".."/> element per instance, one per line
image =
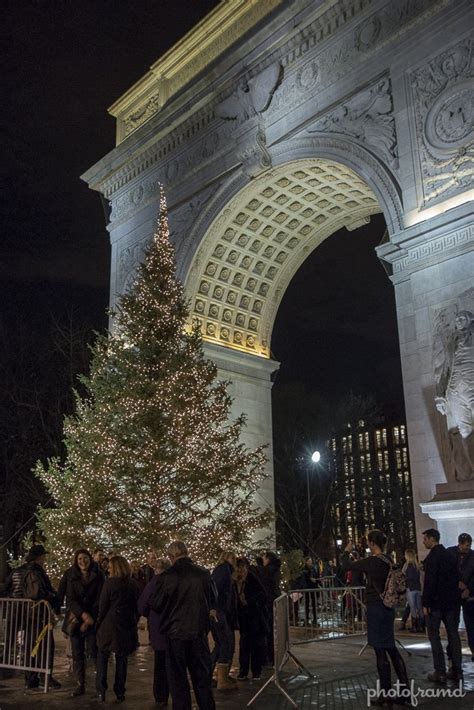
<point x="315" y="458"/>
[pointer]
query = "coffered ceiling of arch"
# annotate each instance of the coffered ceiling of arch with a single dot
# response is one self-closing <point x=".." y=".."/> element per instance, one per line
<point x="257" y="243"/>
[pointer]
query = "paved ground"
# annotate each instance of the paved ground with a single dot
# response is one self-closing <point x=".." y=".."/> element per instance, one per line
<point x="341" y="679"/>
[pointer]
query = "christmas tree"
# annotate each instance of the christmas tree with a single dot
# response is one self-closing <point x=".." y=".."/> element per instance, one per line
<point x="150" y="452"/>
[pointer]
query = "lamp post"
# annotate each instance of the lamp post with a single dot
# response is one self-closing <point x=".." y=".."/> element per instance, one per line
<point x="315" y="458"/>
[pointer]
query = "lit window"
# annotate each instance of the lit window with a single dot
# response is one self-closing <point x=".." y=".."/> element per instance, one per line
<point x="366" y="439"/>
<point x="396" y="435"/>
<point x="378" y="438"/>
<point x="384" y="437"/>
<point x="402" y="434"/>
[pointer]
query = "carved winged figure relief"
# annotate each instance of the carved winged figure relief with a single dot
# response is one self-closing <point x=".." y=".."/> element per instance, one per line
<point x="252" y="97"/>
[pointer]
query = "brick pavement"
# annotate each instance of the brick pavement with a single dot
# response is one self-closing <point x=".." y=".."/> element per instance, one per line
<point x="340" y="682"/>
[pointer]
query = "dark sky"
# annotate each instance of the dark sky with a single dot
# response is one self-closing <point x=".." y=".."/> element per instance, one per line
<point x="65" y="62"/>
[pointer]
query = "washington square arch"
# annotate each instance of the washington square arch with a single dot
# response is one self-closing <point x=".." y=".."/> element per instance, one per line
<point x="273" y="124"/>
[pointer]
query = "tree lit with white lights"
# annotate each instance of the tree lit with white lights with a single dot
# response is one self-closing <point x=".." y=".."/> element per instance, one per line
<point x="151" y="454"/>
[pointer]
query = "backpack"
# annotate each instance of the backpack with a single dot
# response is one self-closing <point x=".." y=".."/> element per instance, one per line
<point x="395" y="586"/>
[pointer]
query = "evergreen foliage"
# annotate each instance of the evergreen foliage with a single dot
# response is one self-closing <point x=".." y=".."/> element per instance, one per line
<point x="151" y="453"/>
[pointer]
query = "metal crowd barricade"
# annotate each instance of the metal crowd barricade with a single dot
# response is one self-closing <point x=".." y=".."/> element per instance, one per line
<point x="26" y="636"/>
<point x="281" y="641"/>
<point x="325" y="613"/>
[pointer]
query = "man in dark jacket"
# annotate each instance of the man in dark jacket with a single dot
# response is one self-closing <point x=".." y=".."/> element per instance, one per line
<point x="184" y="599"/>
<point x="38" y="587"/>
<point x="441" y="604"/>
<point x="464" y="557"/>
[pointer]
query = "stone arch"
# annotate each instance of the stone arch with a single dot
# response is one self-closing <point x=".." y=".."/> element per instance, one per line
<point x="267" y="228"/>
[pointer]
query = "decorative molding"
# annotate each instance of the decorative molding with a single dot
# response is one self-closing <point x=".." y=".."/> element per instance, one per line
<point x="442" y="91"/>
<point x="368" y="117"/>
<point x="303" y="80"/>
<point x="414" y="258"/>
<point x="257" y="242"/>
<point x="218" y="31"/>
<point x="336" y="59"/>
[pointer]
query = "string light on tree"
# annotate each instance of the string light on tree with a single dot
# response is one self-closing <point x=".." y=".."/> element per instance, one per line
<point x="150" y="452"/>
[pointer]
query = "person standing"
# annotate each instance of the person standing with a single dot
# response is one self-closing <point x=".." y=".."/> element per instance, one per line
<point x="441" y="601"/>
<point x="37" y="586"/>
<point x="464" y="556"/>
<point x="184" y="599"/>
<point x="158" y="641"/>
<point x="412" y="570"/>
<point x="224" y="625"/>
<point x="270" y="579"/>
<point x="380" y="618"/>
<point x="81" y="585"/>
<point x="252" y="613"/>
<point x="116" y="626"/>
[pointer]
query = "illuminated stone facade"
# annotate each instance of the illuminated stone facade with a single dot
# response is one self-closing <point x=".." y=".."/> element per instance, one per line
<point x="273" y="124"/>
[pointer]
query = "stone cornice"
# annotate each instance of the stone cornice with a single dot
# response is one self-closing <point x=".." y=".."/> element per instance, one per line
<point x="416" y="249"/>
<point x="163" y="138"/>
<point x="202" y="45"/>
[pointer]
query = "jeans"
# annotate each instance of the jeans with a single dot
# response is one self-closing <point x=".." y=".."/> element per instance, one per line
<point x="82" y="645"/>
<point x="193" y="656"/>
<point x="450" y="619"/>
<point x="160" y="679"/>
<point x="416" y="606"/>
<point x="120" y="673"/>
<point x="224" y="640"/>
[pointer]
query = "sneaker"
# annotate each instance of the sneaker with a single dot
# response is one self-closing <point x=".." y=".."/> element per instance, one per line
<point x="256" y="677"/>
<point x="437" y="677"/>
<point x="80" y="690"/>
<point x="54" y="684"/>
<point x="120" y="699"/>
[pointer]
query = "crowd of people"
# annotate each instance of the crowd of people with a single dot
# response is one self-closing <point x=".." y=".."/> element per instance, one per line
<point x="437" y="590"/>
<point x="104" y="597"/>
<point x="185" y="603"/>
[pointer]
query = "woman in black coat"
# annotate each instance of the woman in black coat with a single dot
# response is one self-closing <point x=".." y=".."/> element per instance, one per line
<point x="253" y="621"/>
<point x="116" y="626"/>
<point x="81" y="585"/>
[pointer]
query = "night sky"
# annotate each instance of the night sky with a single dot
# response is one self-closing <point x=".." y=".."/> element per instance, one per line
<point x="65" y="62"/>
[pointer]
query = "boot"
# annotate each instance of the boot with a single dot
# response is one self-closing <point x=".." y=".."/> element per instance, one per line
<point x="223" y="680"/>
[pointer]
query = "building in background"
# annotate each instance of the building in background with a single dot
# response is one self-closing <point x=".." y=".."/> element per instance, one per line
<point x="372" y="484"/>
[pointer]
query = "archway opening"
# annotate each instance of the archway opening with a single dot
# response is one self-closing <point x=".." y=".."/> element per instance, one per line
<point x="339" y="392"/>
<point x="264" y="236"/>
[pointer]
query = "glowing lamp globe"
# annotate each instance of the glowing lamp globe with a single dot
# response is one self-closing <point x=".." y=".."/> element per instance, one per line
<point x="315" y="457"/>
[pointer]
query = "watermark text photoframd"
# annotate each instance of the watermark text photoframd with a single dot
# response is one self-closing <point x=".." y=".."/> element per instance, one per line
<point x="412" y="693"/>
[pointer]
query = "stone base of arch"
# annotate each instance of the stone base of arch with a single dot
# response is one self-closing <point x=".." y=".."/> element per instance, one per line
<point x="250" y="379"/>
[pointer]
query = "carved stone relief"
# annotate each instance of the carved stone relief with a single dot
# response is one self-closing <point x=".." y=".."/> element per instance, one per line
<point x="453" y="370"/>
<point x="443" y="91"/>
<point x="252" y="97"/>
<point x="368" y="117"/>
<point x="142" y="114"/>
<point x="340" y="57"/>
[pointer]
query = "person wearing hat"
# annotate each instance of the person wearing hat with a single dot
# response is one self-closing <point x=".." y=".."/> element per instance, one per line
<point x="464" y="557"/>
<point x="38" y="587"/>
